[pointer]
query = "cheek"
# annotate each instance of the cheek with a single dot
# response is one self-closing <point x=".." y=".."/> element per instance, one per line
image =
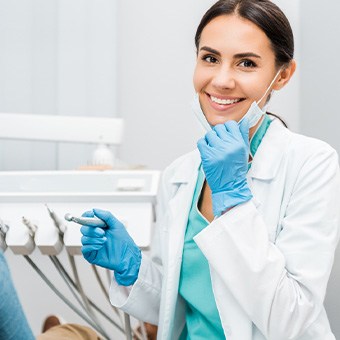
<point x="200" y="78"/>
<point x="251" y="86"/>
<point x="196" y="79"/>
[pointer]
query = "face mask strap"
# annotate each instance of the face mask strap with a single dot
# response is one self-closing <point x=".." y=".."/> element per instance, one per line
<point x="278" y="72"/>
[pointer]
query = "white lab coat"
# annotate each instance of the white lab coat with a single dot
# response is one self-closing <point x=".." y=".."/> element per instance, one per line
<point x="270" y="258"/>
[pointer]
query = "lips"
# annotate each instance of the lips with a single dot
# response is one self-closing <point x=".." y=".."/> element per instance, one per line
<point x="220" y="103"/>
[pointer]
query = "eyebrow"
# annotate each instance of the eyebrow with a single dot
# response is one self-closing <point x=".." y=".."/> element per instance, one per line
<point x="236" y="56"/>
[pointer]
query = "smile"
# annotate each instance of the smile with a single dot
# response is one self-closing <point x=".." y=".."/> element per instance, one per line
<point x="224" y="101"/>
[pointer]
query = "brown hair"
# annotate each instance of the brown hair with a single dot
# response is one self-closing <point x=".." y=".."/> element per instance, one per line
<point x="264" y="14"/>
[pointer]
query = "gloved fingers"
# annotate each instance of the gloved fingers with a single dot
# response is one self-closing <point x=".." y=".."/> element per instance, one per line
<point x="244" y="129"/>
<point x="212" y="138"/>
<point x="202" y="145"/>
<point x="91" y="231"/>
<point x="88" y="213"/>
<point x="108" y="218"/>
<point x="234" y="130"/>
<point x="221" y="132"/>
<point x="232" y="127"/>
<point x="87" y="249"/>
<point x="93" y="241"/>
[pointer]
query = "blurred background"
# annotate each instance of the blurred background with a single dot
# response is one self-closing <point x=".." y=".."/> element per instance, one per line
<point x="134" y="60"/>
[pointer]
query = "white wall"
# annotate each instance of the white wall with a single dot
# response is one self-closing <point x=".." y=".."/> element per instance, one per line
<point x="287" y="101"/>
<point x="320" y="113"/>
<point x="58" y="57"/>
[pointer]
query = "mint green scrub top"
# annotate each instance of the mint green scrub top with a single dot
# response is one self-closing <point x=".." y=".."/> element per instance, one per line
<point x="202" y="317"/>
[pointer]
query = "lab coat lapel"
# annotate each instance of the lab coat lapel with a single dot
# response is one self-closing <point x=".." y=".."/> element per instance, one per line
<point x="270" y="152"/>
<point x="185" y="179"/>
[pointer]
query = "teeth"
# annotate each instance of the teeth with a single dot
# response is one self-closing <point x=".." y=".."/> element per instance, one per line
<point x="224" y="101"/>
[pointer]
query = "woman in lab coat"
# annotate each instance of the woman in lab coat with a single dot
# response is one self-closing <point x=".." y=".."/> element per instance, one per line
<point x="247" y="225"/>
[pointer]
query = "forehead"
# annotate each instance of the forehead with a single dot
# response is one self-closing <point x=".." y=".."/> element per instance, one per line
<point x="233" y="34"/>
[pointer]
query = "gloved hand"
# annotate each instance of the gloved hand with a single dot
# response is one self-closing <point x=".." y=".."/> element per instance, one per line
<point x="224" y="153"/>
<point x="111" y="247"/>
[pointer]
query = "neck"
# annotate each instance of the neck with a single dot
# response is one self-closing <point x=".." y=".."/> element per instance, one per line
<point x="254" y="128"/>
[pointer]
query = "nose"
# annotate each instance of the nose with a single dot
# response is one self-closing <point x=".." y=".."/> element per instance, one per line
<point x="223" y="78"/>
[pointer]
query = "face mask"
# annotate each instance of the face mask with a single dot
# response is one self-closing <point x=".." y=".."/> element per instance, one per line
<point x="254" y="113"/>
<point x="196" y="108"/>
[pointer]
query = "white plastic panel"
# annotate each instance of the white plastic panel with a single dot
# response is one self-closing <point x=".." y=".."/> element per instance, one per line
<point x="78" y="186"/>
<point x="129" y="195"/>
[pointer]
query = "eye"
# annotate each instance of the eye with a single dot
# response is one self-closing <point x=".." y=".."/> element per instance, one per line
<point x="209" y="59"/>
<point x="247" y="63"/>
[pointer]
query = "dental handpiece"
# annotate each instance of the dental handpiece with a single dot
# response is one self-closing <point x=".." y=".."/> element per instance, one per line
<point x="89" y="221"/>
<point x="3" y="228"/>
<point x="32" y="228"/>
<point x="56" y="220"/>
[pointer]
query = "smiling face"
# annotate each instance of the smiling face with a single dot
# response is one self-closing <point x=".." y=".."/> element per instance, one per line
<point x="235" y="65"/>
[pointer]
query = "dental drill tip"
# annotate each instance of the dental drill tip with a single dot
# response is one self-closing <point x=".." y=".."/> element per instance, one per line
<point x="49" y="210"/>
<point x="68" y="217"/>
<point x="30" y="225"/>
<point x="87" y="221"/>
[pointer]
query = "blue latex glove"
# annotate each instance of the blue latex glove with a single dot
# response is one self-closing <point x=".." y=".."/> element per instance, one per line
<point x="224" y="153"/>
<point x="111" y="247"/>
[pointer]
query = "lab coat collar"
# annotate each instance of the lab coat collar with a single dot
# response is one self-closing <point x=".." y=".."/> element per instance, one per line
<point x="265" y="164"/>
<point x="270" y="152"/>
<point x="187" y="169"/>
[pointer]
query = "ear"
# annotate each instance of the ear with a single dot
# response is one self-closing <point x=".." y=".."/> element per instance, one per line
<point x="285" y="75"/>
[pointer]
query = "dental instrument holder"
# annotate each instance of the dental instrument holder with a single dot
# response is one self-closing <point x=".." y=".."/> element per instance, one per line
<point x="20" y="238"/>
<point x="129" y="194"/>
<point x="48" y="241"/>
<point x="47" y="238"/>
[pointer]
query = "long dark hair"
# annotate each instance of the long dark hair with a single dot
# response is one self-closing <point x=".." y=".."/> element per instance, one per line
<point x="264" y="14"/>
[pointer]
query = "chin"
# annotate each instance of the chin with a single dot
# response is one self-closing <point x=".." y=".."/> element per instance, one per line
<point x="219" y="120"/>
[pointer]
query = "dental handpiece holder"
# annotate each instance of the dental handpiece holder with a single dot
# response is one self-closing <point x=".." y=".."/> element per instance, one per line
<point x="129" y="194"/>
<point x="3" y="231"/>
